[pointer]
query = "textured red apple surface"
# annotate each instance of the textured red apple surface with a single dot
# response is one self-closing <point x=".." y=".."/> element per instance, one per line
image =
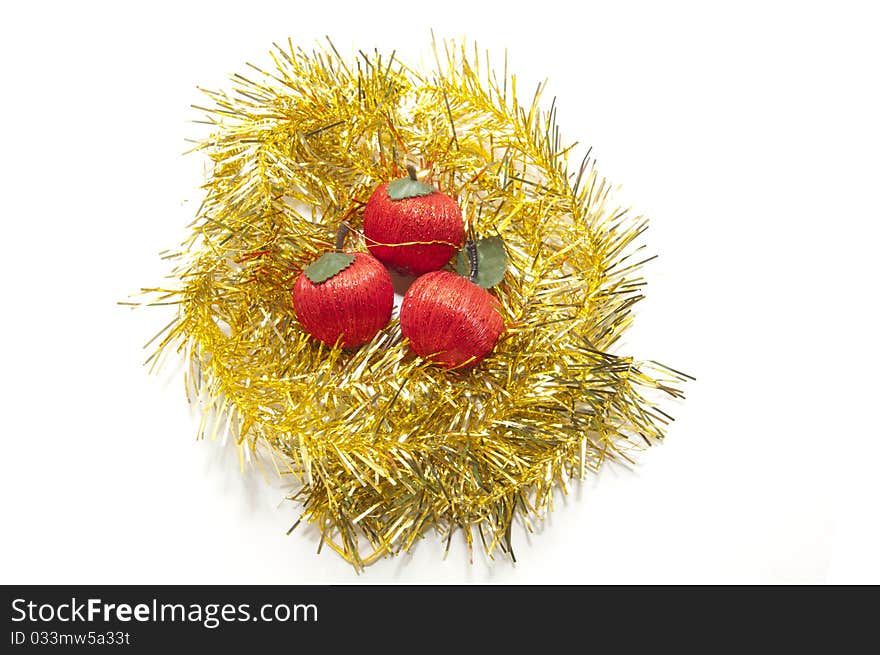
<point x="450" y="320"/>
<point x="354" y="304"/>
<point x="413" y="235"/>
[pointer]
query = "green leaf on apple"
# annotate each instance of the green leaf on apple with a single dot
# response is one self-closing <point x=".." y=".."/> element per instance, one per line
<point x="491" y="262"/>
<point x="408" y="188"/>
<point x="328" y="265"/>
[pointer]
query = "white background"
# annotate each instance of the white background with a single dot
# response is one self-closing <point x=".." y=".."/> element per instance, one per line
<point x="747" y="133"/>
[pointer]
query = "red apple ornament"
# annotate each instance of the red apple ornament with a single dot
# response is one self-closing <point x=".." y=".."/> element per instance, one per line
<point x="411" y="226"/>
<point x="343" y="297"/>
<point x="452" y="320"/>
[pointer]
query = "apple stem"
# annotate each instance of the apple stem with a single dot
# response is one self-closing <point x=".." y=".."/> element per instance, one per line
<point x="341" y="235"/>
<point x="412" y="172"/>
<point x="471" y="249"/>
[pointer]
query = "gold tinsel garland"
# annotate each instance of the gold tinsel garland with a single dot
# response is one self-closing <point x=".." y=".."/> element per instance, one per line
<point x="384" y="446"/>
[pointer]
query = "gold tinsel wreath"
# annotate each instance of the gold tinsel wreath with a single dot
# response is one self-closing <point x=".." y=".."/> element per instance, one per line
<point x="382" y="445"/>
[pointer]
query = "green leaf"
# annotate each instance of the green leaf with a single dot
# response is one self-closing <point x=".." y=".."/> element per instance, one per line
<point x="328" y="265"/>
<point x="408" y="188"/>
<point x="491" y="262"/>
